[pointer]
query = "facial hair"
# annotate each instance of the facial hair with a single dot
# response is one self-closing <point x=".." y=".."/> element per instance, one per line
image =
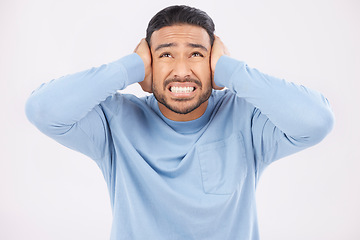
<point x="176" y="106"/>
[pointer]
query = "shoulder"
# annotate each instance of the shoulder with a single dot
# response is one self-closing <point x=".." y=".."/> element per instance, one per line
<point x="120" y="103"/>
<point x="225" y="97"/>
<point x="121" y="98"/>
<point x="229" y="101"/>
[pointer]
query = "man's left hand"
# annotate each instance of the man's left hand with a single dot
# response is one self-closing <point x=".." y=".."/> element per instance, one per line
<point x="218" y="49"/>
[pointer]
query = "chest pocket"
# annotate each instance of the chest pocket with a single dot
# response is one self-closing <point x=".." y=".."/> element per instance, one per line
<point x="223" y="165"/>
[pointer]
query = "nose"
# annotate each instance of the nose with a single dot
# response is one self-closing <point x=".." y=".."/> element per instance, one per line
<point x="181" y="69"/>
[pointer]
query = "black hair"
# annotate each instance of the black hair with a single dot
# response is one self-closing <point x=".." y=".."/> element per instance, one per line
<point x="181" y="14"/>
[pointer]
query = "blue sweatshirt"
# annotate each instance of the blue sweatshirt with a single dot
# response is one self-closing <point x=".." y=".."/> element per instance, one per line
<point x="171" y="180"/>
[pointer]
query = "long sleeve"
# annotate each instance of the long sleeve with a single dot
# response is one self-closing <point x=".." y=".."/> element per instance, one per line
<point x="67" y="109"/>
<point x="287" y="117"/>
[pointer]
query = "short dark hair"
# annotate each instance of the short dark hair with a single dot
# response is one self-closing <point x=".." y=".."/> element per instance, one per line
<point x="180" y="14"/>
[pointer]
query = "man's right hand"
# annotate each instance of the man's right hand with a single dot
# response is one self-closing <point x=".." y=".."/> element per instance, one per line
<point x="143" y="50"/>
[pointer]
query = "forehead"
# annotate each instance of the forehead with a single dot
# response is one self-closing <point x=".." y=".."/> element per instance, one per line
<point x="180" y="34"/>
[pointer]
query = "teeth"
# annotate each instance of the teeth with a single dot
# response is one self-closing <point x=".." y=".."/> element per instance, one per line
<point x="182" y="89"/>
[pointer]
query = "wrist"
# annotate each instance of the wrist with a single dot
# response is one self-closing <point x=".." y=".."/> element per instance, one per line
<point x="134" y="68"/>
<point x="224" y="70"/>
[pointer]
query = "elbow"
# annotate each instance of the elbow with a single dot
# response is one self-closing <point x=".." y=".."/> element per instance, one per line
<point x="42" y="115"/>
<point x="314" y="131"/>
<point x="321" y="126"/>
<point x="33" y="110"/>
<point x="37" y="111"/>
<point x="329" y="122"/>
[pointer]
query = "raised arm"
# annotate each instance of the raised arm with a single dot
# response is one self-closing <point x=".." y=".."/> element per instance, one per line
<point x="287" y="117"/>
<point x="68" y="109"/>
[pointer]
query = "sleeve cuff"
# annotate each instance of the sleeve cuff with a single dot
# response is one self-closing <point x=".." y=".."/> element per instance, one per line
<point x="134" y="68"/>
<point x="224" y="70"/>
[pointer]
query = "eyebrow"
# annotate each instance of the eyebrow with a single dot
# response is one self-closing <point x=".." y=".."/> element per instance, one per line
<point x="193" y="45"/>
<point x="165" y="45"/>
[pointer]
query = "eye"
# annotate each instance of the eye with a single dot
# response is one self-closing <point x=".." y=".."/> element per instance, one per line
<point x="197" y="54"/>
<point x="166" y="55"/>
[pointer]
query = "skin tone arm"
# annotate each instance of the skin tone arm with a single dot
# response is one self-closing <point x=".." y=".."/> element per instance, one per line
<point x="218" y="49"/>
<point x="142" y="49"/>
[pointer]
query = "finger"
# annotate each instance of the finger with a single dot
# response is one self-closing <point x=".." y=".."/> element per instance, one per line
<point x="141" y="41"/>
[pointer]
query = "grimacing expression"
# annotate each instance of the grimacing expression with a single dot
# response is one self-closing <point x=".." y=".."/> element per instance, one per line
<point x="181" y="68"/>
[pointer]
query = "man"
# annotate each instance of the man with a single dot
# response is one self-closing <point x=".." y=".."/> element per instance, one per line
<point x="184" y="162"/>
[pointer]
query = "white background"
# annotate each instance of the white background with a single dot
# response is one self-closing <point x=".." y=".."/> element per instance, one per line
<point x="51" y="192"/>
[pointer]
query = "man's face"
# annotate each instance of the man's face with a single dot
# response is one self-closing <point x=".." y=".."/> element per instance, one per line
<point x="181" y="70"/>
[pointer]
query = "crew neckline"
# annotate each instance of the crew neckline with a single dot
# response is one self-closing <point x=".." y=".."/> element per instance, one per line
<point x="188" y="127"/>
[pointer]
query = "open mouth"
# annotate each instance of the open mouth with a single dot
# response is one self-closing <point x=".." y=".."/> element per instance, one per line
<point x="182" y="90"/>
<point x="175" y="89"/>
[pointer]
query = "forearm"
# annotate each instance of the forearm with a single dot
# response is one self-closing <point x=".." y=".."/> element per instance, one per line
<point x="66" y="100"/>
<point x="299" y="112"/>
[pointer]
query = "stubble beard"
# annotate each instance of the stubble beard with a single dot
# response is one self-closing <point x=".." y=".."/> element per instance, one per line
<point x="176" y="107"/>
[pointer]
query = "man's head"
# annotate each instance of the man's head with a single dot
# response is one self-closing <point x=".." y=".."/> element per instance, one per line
<point x="180" y="40"/>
